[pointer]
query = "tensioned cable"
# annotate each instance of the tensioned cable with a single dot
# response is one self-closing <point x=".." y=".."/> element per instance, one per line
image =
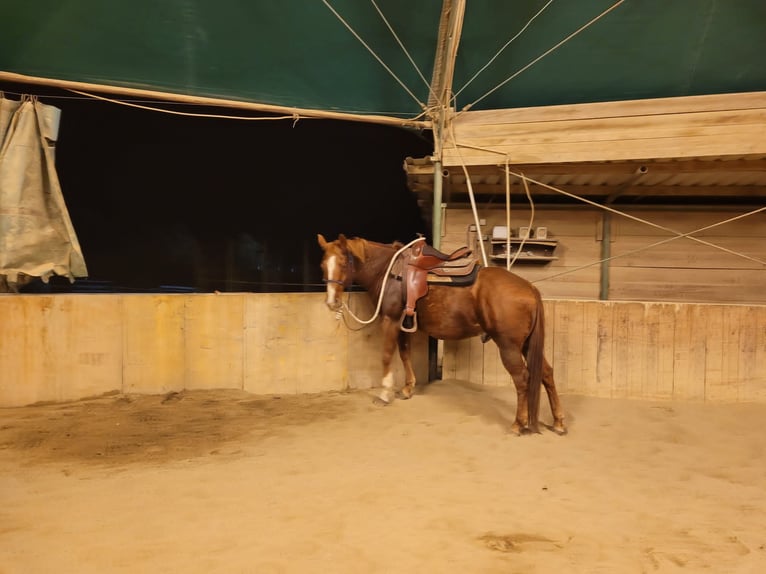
<point x="406" y="53"/>
<point x="470" y="196"/>
<point x="544" y="54"/>
<point x="509" y="264"/>
<point x="374" y="55"/>
<point x="295" y="117"/>
<point x="476" y="212"/>
<point x="644" y="221"/>
<point x="605" y="207"/>
<point x="655" y="244"/>
<point x="500" y="51"/>
<point x="84" y="96"/>
<point x="677" y="234"/>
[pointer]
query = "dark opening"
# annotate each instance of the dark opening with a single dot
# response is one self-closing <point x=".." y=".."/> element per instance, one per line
<point x="165" y="202"/>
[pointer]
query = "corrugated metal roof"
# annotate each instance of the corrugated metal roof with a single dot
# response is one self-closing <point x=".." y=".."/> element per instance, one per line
<point x="731" y="179"/>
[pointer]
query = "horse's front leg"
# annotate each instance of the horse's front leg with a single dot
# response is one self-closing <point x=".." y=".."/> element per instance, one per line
<point x="409" y="373"/>
<point x="390" y="337"/>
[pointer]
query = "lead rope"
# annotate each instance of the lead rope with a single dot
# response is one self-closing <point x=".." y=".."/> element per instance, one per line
<point x="339" y="313"/>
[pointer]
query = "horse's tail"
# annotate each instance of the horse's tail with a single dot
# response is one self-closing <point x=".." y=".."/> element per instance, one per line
<point x="535" y="360"/>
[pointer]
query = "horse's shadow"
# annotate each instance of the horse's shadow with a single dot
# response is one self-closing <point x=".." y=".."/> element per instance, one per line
<point x="495" y="405"/>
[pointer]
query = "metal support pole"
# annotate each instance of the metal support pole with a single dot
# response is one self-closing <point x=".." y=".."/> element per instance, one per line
<point x="436" y="223"/>
<point x="434" y="359"/>
<point x="606" y="253"/>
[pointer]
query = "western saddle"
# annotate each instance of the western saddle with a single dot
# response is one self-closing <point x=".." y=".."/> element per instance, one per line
<point x="425" y="264"/>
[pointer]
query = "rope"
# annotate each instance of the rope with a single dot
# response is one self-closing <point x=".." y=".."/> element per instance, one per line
<point x="473" y="202"/>
<point x="374" y="55"/>
<point x="656" y="243"/>
<point x="406" y="53"/>
<point x="471" y="196"/>
<point x="544" y="54"/>
<point x="345" y="307"/>
<point x="607" y="208"/>
<point x="294" y="117"/>
<point x="500" y="51"/>
<point x="531" y="222"/>
<point x="677" y="234"/>
<point x="649" y="223"/>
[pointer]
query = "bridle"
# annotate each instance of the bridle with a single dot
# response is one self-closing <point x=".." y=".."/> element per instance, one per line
<point x="349" y="270"/>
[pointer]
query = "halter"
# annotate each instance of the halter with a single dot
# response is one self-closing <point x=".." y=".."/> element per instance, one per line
<point x="349" y="272"/>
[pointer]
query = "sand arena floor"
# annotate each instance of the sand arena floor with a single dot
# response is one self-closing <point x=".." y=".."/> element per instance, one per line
<point x="223" y="481"/>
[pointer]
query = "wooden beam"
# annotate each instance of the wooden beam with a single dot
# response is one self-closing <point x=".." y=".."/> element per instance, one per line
<point x="94" y="89"/>
<point x="730" y="125"/>
<point x="756" y="164"/>
<point x="740" y="191"/>
<point x="617" y="109"/>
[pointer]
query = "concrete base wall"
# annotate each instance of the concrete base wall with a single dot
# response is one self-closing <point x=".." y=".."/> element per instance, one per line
<point x="66" y="347"/>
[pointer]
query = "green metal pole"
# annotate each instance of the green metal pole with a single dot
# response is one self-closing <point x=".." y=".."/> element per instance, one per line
<point x="436" y="223"/>
<point x="434" y="365"/>
<point x="606" y="253"/>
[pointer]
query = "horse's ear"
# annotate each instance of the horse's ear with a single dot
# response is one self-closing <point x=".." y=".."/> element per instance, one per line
<point x="342" y="240"/>
<point x="321" y="240"/>
<point x="356" y="246"/>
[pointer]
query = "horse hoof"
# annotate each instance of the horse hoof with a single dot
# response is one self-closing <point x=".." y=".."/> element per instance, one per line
<point x="404" y="396"/>
<point x="380" y="402"/>
<point x="558" y="428"/>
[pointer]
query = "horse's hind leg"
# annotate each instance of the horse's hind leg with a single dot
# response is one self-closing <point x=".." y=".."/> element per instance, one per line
<point x="553" y="399"/>
<point x="390" y="337"/>
<point x="409" y="372"/>
<point x="514" y="363"/>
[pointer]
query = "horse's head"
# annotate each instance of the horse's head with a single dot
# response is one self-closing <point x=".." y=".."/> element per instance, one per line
<point x="337" y="268"/>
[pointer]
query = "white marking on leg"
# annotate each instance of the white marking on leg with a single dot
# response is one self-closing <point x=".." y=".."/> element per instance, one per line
<point x="388" y="388"/>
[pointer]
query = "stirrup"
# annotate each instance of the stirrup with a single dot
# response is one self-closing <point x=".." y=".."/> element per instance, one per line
<point x="414" y="324"/>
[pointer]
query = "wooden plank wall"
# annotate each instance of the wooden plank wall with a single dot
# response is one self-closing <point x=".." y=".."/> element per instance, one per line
<point x="687" y="270"/>
<point x="641" y="350"/>
<point x="680" y="270"/>
<point x="682" y="127"/>
<point x="66" y="347"/>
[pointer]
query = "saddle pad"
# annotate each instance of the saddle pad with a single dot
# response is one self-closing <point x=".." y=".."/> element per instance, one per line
<point x="453" y="280"/>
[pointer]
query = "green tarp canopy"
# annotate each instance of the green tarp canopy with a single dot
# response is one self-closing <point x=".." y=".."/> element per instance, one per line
<point x="377" y="57"/>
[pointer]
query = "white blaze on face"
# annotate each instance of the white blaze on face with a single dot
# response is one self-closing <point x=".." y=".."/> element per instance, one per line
<point x="332" y="265"/>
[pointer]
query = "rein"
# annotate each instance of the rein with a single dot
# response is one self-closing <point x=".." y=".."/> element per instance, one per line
<point x="382" y="290"/>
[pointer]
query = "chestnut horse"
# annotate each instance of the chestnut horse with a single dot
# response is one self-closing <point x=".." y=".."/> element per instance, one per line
<point x="499" y="305"/>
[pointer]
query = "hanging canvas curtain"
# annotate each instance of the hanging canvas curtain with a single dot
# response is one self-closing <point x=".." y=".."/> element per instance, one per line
<point x="37" y="238"/>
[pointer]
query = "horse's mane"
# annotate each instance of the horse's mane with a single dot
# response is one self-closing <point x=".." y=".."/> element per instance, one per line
<point x="395" y="244"/>
<point x="359" y="246"/>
